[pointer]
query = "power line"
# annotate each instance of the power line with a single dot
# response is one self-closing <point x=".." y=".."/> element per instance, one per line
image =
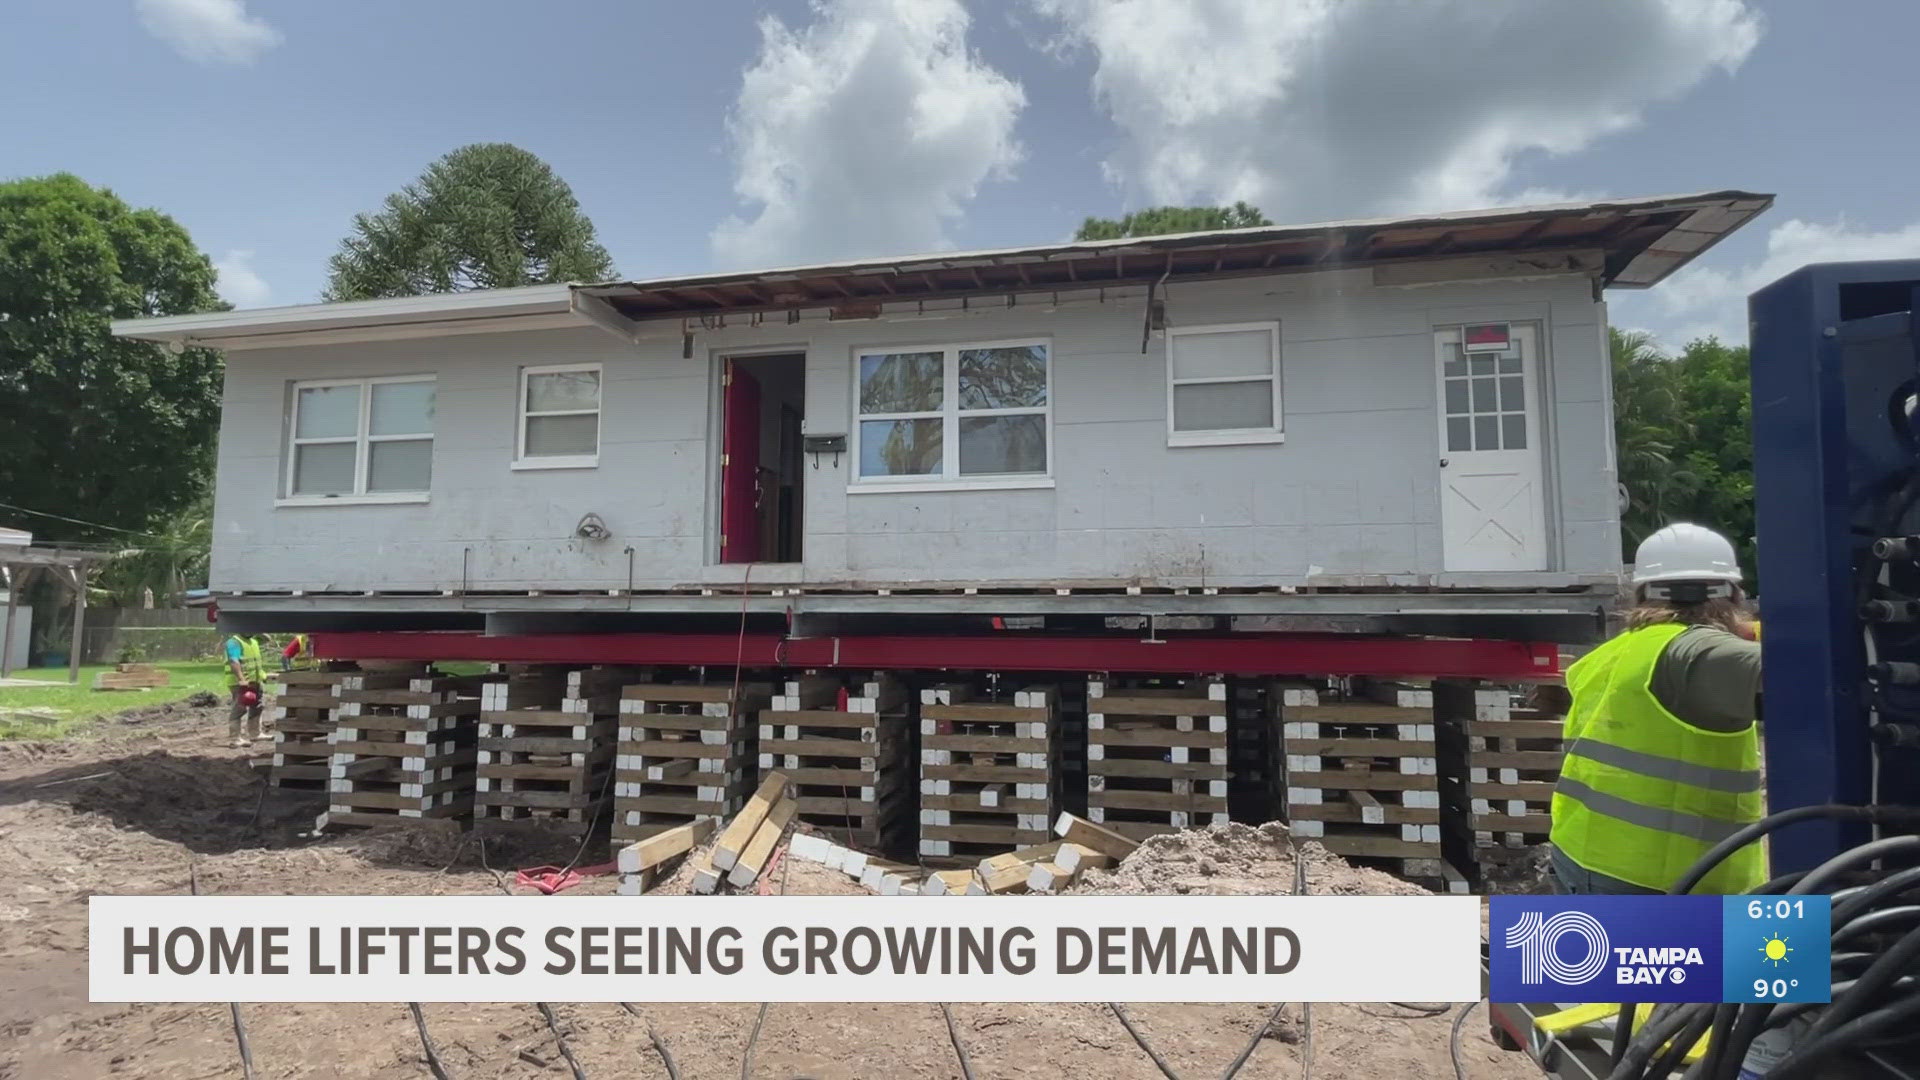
<point x="77" y="521"/>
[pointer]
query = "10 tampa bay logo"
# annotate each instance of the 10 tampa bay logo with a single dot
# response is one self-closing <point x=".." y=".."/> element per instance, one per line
<point x="1666" y="948"/>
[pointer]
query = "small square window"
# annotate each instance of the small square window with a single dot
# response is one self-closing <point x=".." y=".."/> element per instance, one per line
<point x="559" y="416"/>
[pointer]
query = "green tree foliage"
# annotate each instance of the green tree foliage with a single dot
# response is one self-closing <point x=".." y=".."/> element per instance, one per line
<point x="1684" y="428"/>
<point x="1161" y="220"/>
<point x="170" y="558"/>
<point x="486" y="216"/>
<point x="97" y="427"/>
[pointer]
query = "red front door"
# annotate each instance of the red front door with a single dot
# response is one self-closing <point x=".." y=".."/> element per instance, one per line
<point x="739" y="466"/>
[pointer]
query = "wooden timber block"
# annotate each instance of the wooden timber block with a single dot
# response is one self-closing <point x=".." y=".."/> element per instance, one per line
<point x="949" y="883"/>
<point x="1078" y="830"/>
<point x="705" y="877"/>
<point x="754" y="858"/>
<point x="1076" y="857"/>
<point x="741" y="830"/>
<point x="1048" y="877"/>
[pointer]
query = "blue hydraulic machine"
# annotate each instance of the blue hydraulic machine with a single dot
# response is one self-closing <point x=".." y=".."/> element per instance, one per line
<point x="1836" y="462"/>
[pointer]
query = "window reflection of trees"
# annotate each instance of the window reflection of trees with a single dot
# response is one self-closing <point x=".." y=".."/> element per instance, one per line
<point x="1007" y="378"/>
<point x="908" y="447"/>
<point x="901" y="383"/>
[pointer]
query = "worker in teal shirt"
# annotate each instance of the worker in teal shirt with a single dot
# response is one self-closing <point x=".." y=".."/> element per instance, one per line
<point x="246" y="685"/>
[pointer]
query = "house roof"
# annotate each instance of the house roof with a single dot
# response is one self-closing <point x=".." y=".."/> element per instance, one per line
<point x="1626" y="243"/>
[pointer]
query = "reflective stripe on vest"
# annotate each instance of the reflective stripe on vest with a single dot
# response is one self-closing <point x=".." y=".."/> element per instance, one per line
<point x="1643" y="794"/>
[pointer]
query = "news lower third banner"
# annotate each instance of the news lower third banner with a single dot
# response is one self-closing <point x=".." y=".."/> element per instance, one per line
<point x="1763" y="949"/>
<point x="784" y="948"/>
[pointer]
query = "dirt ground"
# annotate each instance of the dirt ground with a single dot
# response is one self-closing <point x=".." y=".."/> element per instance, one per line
<point x="126" y="807"/>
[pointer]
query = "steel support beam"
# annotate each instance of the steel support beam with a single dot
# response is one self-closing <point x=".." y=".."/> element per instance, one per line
<point x="1238" y="654"/>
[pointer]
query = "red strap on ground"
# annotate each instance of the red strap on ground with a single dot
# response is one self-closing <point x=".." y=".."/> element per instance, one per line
<point x="765" y="885"/>
<point x="552" y="879"/>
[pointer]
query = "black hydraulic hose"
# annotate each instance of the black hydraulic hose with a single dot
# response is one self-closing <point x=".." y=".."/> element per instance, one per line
<point x="1723" y="1017"/>
<point x="1877" y="921"/>
<point x="1664" y="1065"/>
<point x="1846" y="860"/>
<point x="1865" y="896"/>
<point x="1806" y="1060"/>
<point x="1899" y="960"/>
<point x="1623" y="1035"/>
<point x="1653" y="1035"/>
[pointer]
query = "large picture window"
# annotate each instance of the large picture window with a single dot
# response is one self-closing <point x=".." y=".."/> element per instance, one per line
<point x="958" y="413"/>
<point x="361" y="438"/>
<point x="1223" y="384"/>
<point x="559" y="417"/>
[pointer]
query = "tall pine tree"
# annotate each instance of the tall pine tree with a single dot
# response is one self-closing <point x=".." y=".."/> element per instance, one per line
<point x="486" y="216"/>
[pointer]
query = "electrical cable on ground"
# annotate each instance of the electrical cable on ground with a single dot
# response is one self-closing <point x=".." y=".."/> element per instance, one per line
<point x="746" y="1056"/>
<point x="553" y="1024"/>
<point x="659" y="1044"/>
<point x="434" y="1064"/>
<point x="233" y="1007"/>
<point x="953" y="1033"/>
<point x="1121" y="1015"/>
<point x="1453" y="1041"/>
<point x="1253" y="1044"/>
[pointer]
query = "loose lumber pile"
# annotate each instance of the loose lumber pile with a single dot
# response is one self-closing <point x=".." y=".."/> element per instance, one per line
<point x="844" y="743"/>
<point x="643" y="863"/>
<point x="1156" y="754"/>
<point x="132" y="677"/>
<point x="1362" y="779"/>
<point x="746" y="845"/>
<point x="549" y="759"/>
<point x="989" y="769"/>
<point x="402" y="751"/>
<point x="685" y="753"/>
<point x="1501" y="764"/>
<point x="301" y="713"/>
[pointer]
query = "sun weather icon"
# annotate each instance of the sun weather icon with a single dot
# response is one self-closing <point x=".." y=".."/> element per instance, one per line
<point x="1776" y="949"/>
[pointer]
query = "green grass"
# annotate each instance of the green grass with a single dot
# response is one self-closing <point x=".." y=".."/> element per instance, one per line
<point x="78" y="704"/>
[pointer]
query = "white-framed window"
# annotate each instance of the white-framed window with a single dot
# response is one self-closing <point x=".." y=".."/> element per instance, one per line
<point x="361" y="440"/>
<point x="1223" y="384"/>
<point x="978" y="414"/>
<point x="559" y="417"/>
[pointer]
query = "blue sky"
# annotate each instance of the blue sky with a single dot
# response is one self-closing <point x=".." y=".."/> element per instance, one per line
<point x="735" y="134"/>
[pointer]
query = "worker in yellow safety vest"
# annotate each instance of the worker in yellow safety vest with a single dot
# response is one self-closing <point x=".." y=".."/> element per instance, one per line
<point x="1662" y="735"/>
<point x="246" y="685"/>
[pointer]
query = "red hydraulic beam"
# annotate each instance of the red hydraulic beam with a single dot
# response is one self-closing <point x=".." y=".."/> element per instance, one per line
<point x="1239" y="654"/>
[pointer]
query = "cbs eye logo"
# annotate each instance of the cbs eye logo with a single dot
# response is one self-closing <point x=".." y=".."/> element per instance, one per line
<point x="1538" y="939"/>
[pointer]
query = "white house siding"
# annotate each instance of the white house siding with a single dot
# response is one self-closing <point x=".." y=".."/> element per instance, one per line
<point x="1352" y="491"/>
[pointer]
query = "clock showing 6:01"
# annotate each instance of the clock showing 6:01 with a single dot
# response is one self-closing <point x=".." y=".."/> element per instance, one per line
<point x="1776" y="948"/>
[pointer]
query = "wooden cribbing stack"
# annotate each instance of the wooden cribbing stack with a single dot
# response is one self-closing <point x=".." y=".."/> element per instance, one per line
<point x="1156" y="754"/>
<point x="549" y="760"/>
<point x="1502" y="764"/>
<point x="1362" y="779"/>
<point x="302" y="715"/>
<point x="845" y="746"/>
<point x="988" y="769"/>
<point x="403" y="751"/>
<point x="685" y="752"/>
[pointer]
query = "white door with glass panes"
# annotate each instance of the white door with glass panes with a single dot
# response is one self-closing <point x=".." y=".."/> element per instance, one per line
<point x="1492" y="508"/>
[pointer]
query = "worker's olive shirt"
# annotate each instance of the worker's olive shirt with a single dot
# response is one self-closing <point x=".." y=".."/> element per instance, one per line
<point x="1709" y="678"/>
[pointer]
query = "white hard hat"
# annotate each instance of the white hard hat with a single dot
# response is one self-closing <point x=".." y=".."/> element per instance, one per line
<point x="1685" y="553"/>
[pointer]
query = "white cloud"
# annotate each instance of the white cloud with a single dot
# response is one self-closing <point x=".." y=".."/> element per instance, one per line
<point x="1702" y="301"/>
<point x="238" y="284"/>
<point x="208" y="31"/>
<point x="1326" y="109"/>
<point x="864" y="133"/>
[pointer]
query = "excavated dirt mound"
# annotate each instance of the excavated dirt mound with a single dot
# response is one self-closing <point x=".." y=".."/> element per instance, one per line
<point x="1237" y="860"/>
